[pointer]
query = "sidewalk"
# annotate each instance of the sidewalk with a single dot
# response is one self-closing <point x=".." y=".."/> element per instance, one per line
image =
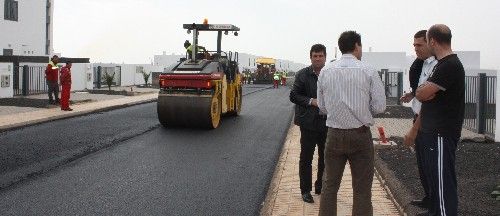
<point x="13" y="117"/>
<point x="284" y="196"/>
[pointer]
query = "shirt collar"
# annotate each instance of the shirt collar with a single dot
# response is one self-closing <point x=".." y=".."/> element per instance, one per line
<point x="312" y="70"/>
<point x="347" y="56"/>
<point x="430" y="59"/>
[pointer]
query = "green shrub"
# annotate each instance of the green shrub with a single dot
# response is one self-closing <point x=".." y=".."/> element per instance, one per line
<point x="109" y="79"/>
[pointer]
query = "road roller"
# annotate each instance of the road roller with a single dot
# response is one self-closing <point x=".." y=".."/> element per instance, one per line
<point x="203" y="86"/>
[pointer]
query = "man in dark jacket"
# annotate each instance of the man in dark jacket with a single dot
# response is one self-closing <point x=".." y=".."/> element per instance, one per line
<point x="312" y="124"/>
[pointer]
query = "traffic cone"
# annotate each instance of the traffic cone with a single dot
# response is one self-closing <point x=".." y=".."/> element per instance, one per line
<point x="381" y="135"/>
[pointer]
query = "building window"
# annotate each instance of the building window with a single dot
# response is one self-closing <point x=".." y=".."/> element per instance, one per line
<point x="8" y="52"/>
<point x="10" y="10"/>
<point x="139" y="69"/>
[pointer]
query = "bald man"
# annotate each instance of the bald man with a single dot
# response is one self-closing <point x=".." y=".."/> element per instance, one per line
<point x="440" y="121"/>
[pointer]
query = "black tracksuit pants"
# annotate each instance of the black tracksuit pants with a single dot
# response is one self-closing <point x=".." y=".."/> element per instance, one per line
<point x="308" y="141"/>
<point x="419" y="151"/>
<point x="439" y="169"/>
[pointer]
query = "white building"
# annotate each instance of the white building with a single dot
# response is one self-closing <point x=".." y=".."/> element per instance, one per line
<point x="245" y="61"/>
<point x="26" y="27"/>
<point x="167" y="60"/>
<point x="394" y="61"/>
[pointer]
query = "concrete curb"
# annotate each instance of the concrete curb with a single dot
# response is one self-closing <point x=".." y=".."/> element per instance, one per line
<point x="267" y="205"/>
<point x="396" y="191"/>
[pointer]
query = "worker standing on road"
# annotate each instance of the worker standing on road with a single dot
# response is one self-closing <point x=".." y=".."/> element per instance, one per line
<point x="312" y="124"/>
<point x="244" y="78"/>
<point x="51" y="73"/>
<point x="65" y="79"/>
<point x="276" y="79"/>
<point x="283" y="78"/>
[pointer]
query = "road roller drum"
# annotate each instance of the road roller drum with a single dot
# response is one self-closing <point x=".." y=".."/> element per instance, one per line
<point x="189" y="111"/>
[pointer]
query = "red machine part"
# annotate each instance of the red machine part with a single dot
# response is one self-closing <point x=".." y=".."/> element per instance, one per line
<point x="201" y="81"/>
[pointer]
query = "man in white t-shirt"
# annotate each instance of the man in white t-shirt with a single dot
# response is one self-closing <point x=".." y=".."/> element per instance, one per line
<point x="420" y="70"/>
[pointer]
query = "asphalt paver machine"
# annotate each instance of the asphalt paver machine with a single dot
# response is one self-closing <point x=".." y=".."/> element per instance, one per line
<point x="203" y="86"/>
<point x="265" y="70"/>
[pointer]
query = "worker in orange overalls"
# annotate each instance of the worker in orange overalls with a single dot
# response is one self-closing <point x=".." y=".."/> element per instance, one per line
<point x="283" y="78"/>
<point x="65" y="80"/>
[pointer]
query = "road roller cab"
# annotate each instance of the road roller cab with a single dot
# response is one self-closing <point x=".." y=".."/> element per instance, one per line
<point x="203" y="86"/>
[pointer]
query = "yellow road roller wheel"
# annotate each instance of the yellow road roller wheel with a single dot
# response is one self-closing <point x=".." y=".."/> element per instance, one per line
<point x="215" y="111"/>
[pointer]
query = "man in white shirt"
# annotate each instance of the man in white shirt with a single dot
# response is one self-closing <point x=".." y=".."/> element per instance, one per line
<point x="428" y="61"/>
<point x="349" y="92"/>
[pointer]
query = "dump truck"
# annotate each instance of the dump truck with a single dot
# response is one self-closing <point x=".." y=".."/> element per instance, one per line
<point x="203" y="86"/>
<point x="265" y="70"/>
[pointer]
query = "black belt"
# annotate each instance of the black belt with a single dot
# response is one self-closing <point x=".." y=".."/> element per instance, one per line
<point x="360" y="129"/>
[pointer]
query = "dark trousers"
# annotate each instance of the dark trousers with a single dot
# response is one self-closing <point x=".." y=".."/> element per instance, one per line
<point x="419" y="151"/>
<point x="53" y="87"/>
<point x="308" y="141"/>
<point x="439" y="170"/>
<point x="355" y="146"/>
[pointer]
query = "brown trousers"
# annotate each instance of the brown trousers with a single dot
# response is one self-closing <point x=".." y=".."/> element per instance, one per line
<point x="355" y="146"/>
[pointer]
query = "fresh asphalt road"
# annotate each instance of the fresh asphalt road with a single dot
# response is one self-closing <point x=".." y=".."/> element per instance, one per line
<point x="150" y="170"/>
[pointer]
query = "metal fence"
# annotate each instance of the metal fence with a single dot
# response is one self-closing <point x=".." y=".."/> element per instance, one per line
<point x="480" y="104"/>
<point x="471" y="101"/>
<point x="29" y="80"/>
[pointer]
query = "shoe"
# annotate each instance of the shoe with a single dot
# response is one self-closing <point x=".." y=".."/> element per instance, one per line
<point x="420" y="203"/>
<point x="307" y="197"/>
<point x="317" y="190"/>
<point x="68" y="109"/>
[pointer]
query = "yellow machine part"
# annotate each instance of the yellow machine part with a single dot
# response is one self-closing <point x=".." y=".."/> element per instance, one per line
<point x="234" y="96"/>
<point x="265" y="61"/>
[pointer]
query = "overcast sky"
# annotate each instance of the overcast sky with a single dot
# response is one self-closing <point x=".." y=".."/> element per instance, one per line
<point x="133" y="31"/>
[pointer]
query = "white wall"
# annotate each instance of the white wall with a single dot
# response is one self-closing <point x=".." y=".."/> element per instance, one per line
<point x="497" y="126"/>
<point x="7" y="69"/>
<point x="394" y="61"/>
<point x="79" y="77"/>
<point x="470" y="59"/>
<point x="129" y="74"/>
<point x="27" y="36"/>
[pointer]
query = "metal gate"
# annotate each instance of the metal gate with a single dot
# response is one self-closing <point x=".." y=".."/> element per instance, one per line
<point x="393" y="84"/>
<point x="100" y="76"/>
<point x="29" y="80"/>
<point x="490" y="109"/>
